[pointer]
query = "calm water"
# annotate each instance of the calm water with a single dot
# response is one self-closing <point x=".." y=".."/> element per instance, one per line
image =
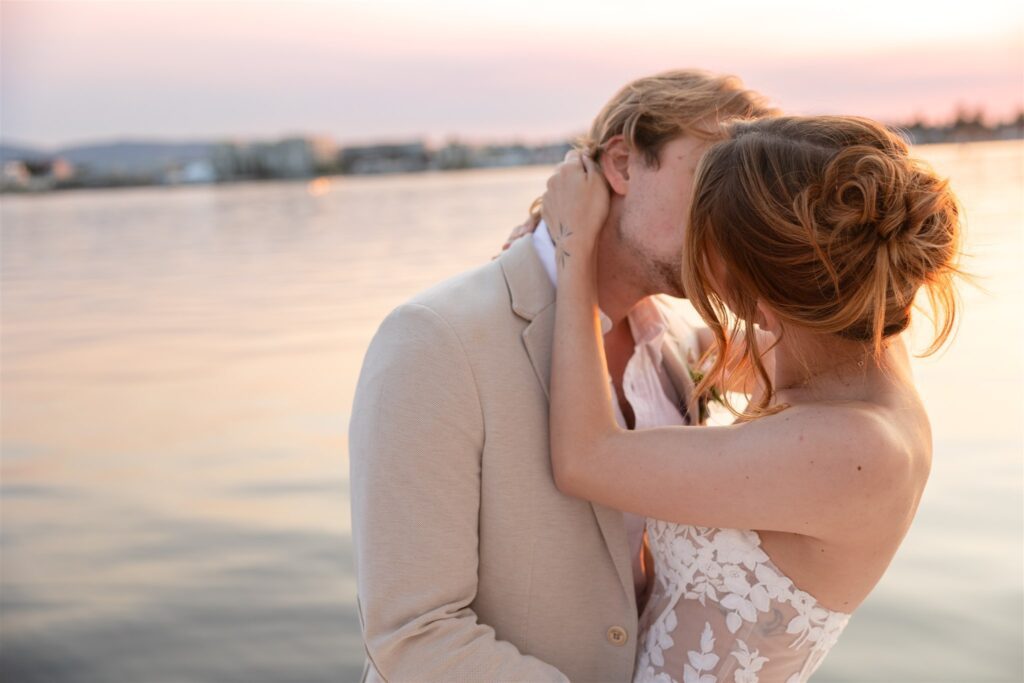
<point x="178" y="368"/>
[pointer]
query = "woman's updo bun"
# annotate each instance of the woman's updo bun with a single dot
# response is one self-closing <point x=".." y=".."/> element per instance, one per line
<point x="827" y="220"/>
<point x="864" y="187"/>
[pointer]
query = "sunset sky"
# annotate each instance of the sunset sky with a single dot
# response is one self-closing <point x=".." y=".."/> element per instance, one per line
<point x="481" y="70"/>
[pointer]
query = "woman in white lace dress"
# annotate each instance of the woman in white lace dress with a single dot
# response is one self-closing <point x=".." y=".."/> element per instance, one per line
<point x="808" y="240"/>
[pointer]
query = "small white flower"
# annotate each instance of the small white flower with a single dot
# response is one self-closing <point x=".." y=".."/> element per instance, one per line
<point x="734" y="580"/>
<point x="759" y="597"/>
<point x="684" y="550"/>
<point x="735" y="546"/>
<point x="802" y="601"/>
<point x="745" y="608"/>
<point x="777" y="586"/>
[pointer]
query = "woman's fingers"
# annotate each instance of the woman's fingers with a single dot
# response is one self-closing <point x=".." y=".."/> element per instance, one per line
<point x="574" y="159"/>
<point x="576" y="196"/>
<point x="575" y="168"/>
<point x="591" y="168"/>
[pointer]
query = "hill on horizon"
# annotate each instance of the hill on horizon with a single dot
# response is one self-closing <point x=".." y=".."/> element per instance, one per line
<point x="118" y="156"/>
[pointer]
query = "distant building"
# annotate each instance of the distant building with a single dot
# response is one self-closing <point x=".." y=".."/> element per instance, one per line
<point x="296" y="157"/>
<point x="325" y="154"/>
<point x="454" y="155"/>
<point x="502" y="155"/>
<point x="290" y="158"/>
<point x="36" y="174"/>
<point x="199" y="172"/>
<point x="549" y="154"/>
<point x="1012" y="129"/>
<point x="16" y="176"/>
<point x="393" y="158"/>
<point x="968" y="126"/>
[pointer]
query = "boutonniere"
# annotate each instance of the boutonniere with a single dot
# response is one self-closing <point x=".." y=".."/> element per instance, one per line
<point x="703" y="410"/>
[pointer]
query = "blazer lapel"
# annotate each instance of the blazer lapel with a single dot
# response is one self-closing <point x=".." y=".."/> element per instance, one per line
<point x="538" y="338"/>
<point x="613" y="528"/>
<point x="533" y="299"/>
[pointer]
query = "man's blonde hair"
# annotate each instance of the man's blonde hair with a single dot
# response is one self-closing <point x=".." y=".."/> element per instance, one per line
<point x="654" y="110"/>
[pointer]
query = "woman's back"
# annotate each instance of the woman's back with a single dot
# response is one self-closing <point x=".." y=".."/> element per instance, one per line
<point x="721" y="610"/>
<point x="758" y="606"/>
<point x="842" y="567"/>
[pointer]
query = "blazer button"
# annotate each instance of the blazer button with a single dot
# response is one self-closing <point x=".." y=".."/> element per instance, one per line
<point x="617" y="635"/>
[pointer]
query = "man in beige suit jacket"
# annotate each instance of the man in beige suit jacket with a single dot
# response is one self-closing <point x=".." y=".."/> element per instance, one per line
<point x="471" y="565"/>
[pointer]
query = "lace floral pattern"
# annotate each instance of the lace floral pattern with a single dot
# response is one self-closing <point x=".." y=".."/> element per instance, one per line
<point x="722" y="612"/>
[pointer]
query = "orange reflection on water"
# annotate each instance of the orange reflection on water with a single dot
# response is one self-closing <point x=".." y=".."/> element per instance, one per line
<point x="318" y="186"/>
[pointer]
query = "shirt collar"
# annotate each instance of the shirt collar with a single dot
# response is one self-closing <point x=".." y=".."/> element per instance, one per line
<point x="647" y="322"/>
<point x="545" y="248"/>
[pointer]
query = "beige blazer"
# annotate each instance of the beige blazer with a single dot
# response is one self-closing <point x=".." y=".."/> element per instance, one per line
<point x="470" y="564"/>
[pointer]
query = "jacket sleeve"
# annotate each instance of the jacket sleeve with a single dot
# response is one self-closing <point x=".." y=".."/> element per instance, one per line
<point x="415" y="442"/>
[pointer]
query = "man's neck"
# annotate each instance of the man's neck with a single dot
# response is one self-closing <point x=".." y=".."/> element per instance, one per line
<point x="617" y="293"/>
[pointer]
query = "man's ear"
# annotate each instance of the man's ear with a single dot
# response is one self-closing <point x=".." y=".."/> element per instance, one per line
<point x="615" y="164"/>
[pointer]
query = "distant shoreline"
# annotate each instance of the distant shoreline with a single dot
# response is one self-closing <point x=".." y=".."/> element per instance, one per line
<point x="129" y="165"/>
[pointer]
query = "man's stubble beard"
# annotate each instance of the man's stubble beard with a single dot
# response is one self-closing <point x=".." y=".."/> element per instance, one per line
<point x="654" y="274"/>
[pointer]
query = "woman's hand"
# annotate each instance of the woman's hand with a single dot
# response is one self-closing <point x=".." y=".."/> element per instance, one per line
<point x="575" y="205"/>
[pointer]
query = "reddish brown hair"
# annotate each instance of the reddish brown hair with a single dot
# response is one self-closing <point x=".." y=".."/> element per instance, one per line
<point x="829" y="222"/>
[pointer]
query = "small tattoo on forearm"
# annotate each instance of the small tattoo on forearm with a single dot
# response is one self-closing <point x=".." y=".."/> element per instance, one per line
<point x="563" y="234"/>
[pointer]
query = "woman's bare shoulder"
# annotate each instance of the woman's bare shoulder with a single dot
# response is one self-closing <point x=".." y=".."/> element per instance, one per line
<point x="883" y="462"/>
<point x="853" y="428"/>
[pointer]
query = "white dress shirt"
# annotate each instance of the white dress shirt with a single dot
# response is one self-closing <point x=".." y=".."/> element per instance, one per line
<point x="644" y="382"/>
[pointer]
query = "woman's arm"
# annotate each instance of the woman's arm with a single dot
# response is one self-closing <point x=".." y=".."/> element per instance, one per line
<point x="792" y="472"/>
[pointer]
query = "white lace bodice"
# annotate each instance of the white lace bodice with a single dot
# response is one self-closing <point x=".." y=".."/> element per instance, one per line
<point x="720" y="611"/>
